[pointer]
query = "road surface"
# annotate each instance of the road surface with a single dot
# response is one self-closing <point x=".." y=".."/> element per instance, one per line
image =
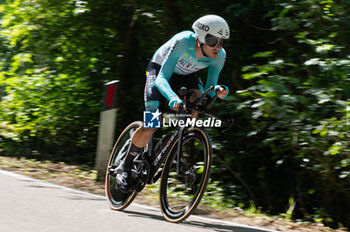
<point x="29" y="205"/>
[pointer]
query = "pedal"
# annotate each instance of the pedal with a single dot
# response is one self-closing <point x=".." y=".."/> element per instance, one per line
<point x="112" y="170"/>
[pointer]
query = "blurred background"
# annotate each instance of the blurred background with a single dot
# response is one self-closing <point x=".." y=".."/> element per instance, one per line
<point x="287" y="68"/>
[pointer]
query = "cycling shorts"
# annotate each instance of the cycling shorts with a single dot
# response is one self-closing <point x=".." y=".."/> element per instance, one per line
<point x="153" y="98"/>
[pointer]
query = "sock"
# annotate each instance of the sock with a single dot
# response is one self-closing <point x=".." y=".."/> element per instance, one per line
<point x="132" y="153"/>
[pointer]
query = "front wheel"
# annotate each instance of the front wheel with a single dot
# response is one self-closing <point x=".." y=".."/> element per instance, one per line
<point x="180" y="193"/>
<point x="117" y="199"/>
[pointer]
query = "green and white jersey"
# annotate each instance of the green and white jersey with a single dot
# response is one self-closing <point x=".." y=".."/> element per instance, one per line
<point x="178" y="56"/>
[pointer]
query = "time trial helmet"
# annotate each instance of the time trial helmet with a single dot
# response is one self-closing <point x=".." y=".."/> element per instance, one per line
<point x="212" y="30"/>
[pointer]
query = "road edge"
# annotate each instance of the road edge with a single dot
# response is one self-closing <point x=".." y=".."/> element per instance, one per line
<point x="23" y="177"/>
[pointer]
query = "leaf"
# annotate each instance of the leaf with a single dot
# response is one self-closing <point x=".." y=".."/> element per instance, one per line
<point x="258" y="104"/>
<point x="200" y="170"/>
<point x="324" y="48"/>
<point x="249" y="76"/>
<point x="335" y="148"/>
<point x="263" y="54"/>
<point x="313" y="61"/>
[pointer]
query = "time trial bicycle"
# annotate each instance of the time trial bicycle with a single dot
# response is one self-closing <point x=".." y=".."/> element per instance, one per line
<point x="182" y="160"/>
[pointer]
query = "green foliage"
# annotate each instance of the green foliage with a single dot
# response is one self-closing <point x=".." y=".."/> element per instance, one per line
<point x="57" y="56"/>
<point x="49" y="77"/>
<point x="297" y="110"/>
<point x="287" y="66"/>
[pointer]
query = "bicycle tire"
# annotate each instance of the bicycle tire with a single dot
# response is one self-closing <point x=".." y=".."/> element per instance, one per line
<point x="116" y="199"/>
<point x="174" y="187"/>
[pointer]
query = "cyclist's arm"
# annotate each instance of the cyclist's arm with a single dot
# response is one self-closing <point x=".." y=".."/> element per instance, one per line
<point x="168" y="67"/>
<point x="214" y="71"/>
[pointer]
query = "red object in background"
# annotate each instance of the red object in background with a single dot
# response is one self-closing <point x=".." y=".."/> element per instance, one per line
<point x="110" y="90"/>
<point x="110" y="95"/>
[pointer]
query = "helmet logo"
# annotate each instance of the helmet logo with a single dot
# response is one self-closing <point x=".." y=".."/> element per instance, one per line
<point x="221" y="32"/>
<point x="202" y="26"/>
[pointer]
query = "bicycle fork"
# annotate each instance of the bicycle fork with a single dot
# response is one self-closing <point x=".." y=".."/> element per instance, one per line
<point x="179" y="149"/>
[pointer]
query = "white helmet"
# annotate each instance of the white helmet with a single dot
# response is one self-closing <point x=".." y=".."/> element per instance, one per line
<point x="211" y="26"/>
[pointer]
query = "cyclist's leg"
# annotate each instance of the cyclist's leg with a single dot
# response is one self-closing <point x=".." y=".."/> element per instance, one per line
<point x="140" y="138"/>
<point x="153" y="101"/>
<point x="152" y="98"/>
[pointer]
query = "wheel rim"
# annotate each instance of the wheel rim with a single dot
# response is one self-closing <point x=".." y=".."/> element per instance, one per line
<point x="117" y="199"/>
<point x="181" y="194"/>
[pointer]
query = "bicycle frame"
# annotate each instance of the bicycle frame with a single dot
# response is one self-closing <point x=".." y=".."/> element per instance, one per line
<point x="178" y="133"/>
<point x="160" y="157"/>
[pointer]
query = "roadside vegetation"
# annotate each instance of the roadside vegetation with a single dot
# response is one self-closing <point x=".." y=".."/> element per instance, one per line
<point x="287" y="67"/>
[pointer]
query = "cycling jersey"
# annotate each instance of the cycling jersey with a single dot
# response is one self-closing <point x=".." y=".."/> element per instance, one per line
<point x="178" y="56"/>
<point x="154" y="99"/>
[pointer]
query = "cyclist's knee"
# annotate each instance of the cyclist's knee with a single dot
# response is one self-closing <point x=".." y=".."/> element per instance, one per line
<point x="148" y="130"/>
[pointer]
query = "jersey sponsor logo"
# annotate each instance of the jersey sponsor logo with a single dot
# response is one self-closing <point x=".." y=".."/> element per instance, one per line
<point x="202" y="26"/>
<point x="172" y="48"/>
<point x="185" y="70"/>
<point x="188" y="67"/>
<point x="185" y="63"/>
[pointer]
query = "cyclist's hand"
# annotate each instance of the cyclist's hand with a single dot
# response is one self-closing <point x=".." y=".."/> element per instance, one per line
<point x="175" y="103"/>
<point x="177" y="107"/>
<point x="221" y="91"/>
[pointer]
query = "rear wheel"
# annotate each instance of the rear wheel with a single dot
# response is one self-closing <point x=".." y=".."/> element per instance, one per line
<point x="117" y="199"/>
<point x="180" y="193"/>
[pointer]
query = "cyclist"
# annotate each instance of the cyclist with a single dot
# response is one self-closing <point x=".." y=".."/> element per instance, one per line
<point x="173" y="66"/>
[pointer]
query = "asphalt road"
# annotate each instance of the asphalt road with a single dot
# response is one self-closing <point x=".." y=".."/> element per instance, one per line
<point x="29" y="205"/>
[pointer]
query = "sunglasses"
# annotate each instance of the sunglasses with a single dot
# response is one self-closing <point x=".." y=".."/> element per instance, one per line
<point x="213" y="41"/>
